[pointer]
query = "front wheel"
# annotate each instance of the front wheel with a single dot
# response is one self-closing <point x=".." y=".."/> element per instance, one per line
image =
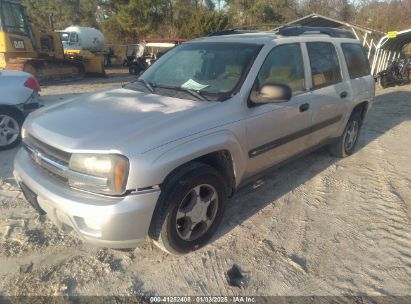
<point x="345" y="144"/>
<point x="10" y="125"/>
<point x="190" y="209"/>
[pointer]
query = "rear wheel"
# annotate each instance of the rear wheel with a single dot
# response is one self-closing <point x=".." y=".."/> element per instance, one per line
<point x="190" y="209"/>
<point x="345" y="144"/>
<point x="10" y="126"/>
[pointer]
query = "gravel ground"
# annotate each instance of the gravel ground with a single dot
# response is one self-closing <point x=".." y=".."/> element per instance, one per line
<point x="318" y="226"/>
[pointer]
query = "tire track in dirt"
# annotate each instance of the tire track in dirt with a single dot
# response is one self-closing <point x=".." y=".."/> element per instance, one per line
<point x="388" y="227"/>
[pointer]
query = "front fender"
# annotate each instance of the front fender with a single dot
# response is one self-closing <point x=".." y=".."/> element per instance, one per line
<point x="154" y="172"/>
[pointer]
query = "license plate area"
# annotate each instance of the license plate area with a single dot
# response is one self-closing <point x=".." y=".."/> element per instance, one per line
<point x="31" y="197"/>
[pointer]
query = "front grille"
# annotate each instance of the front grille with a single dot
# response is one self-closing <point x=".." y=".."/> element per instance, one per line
<point x="52" y="161"/>
<point x="47" y="150"/>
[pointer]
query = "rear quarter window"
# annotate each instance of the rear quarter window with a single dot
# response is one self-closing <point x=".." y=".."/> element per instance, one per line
<point x="357" y="61"/>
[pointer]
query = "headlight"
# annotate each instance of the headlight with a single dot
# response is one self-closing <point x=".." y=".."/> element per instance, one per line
<point x="106" y="174"/>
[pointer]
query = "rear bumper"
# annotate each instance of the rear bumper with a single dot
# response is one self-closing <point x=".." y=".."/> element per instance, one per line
<point x="30" y="105"/>
<point x="114" y="222"/>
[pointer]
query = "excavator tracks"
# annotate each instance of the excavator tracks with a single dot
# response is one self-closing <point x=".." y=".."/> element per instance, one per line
<point x="49" y="70"/>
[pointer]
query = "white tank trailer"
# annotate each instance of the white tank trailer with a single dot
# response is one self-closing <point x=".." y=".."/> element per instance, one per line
<point x="83" y="38"/>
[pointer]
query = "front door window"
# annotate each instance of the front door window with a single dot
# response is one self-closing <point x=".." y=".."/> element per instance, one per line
<point x="284" y="65"/>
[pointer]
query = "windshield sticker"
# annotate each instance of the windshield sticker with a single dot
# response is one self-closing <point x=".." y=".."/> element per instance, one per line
<point x="193" y="85"/>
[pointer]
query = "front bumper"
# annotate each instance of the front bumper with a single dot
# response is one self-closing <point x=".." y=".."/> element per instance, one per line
<point x="117" y="222"/>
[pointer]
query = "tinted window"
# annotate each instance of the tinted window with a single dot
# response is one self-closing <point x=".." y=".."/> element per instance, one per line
<point x="325" y="69"/>
<point x="284" y="65"/>
<point x="357" y="62"/>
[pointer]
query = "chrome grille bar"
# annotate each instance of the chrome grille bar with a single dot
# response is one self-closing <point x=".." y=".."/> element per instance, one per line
<point x="51" y="152"/>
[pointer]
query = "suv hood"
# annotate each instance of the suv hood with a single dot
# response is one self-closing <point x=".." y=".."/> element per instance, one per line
<point x="112" y="120"/>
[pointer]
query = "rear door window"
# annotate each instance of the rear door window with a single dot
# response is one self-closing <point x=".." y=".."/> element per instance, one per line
<point x="325" y="68"/>
<point x="357" y="62"/>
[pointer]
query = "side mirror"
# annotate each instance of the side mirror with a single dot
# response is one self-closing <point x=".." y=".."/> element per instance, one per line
<point x="271" y="93"/>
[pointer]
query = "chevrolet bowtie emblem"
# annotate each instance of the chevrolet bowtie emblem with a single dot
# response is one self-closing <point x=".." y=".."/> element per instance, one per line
<point x="37" y="156"/>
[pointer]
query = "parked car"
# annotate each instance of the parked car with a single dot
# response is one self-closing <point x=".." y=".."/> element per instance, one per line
<point x="19" y="96"/>
<point x="161" y="156"/>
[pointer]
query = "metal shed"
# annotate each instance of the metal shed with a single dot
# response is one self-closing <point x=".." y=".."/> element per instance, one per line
<point x="380" y="48"/>
<point x="389" y="49"/>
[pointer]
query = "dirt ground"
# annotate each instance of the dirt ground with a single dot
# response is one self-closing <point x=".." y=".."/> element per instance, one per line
<point x="318" y="226"/>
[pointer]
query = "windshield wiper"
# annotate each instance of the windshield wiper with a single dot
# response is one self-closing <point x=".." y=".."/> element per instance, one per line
<point x="194" y="93"/>
<point x="147" y="85"/>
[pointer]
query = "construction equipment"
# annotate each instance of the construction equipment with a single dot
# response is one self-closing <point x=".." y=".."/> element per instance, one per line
<point x="86" y="45"/>
<point x="40" y="52"/>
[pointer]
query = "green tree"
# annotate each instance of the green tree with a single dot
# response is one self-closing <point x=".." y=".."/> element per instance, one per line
<point x="204" y="22"/>
<point x="251" y="13"/>
<point x="63" y="12"/>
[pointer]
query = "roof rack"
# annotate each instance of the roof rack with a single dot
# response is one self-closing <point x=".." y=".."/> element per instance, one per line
<point x="307" y="30"/>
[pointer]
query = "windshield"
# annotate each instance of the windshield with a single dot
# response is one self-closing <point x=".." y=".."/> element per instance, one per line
<point x="12" y="16"/>
<point x="64" y="36"/>
<point x="207" y="68"/>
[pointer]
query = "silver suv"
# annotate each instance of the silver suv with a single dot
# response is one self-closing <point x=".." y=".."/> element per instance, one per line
<point x="160" y="156"/>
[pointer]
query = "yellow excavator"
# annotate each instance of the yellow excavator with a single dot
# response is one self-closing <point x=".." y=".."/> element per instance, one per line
<point x="44" y="53"/>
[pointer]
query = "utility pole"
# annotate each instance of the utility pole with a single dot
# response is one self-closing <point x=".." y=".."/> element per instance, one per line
<point x="77" y="11"/>
<point x="51" y="21"/>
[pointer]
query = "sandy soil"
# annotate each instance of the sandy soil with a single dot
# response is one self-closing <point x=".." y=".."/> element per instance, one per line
<point x="318" y="226"/>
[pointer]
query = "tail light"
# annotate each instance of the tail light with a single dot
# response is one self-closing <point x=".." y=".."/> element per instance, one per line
<point x="33" y="84"/>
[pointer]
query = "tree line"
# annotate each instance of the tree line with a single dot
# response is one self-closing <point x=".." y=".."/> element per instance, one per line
<point x="125" y="21"/>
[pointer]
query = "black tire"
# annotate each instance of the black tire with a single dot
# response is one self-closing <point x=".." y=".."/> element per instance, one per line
<point x="340" y="148"/>
<point x="18" y="118"/>
<point x="164" y="229"/>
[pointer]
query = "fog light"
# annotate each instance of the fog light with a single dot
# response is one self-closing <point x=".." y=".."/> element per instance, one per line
<point x="94" y="223"/>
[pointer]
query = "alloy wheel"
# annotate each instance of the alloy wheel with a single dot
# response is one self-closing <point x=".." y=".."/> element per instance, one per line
<point x="9" y="130"/>
<point x="197" y="212"/>
<point x="351" y="135"/>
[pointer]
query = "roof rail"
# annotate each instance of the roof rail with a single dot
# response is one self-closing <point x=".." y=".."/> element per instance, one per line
<point x="234" y="31"/>
<point x="307" y="30"/>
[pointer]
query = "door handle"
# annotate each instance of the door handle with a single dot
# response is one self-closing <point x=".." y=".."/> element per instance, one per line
<point x="304" y="107"/>
<point x="343" y="94"/>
